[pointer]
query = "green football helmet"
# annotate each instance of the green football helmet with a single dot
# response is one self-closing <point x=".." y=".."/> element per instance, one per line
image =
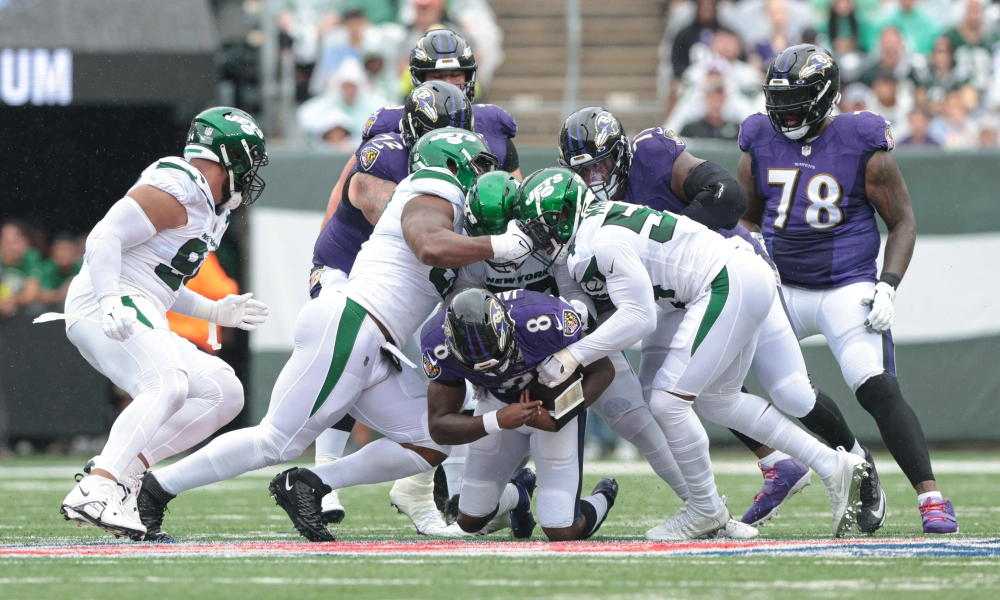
<point x="232" y="138"/>
<point x="458" y="151"/>
<point x="489" y="206"/>
<point x="549" y="208"/>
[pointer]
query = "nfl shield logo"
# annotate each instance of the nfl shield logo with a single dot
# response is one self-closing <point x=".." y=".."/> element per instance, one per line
<point x="807" y="150"/>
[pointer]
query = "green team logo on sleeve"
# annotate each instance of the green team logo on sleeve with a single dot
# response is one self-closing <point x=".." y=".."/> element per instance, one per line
<point x="185" y="264"/>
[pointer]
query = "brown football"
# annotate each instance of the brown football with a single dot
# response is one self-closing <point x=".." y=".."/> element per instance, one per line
<point x="547" y="395"/>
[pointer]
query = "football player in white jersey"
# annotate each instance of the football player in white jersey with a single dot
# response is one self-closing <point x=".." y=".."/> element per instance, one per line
<point x="345" y="358"/>
<point x="646" y="257"/>
<point x="138" y="258"/>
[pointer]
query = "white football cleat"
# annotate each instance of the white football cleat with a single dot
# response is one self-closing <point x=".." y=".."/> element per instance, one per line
<point x="734" y="530"/>
<point x="689" y="524"/>
<point x="415" y="499"/>
<point x="844" y="489"/>
<point x="332" y="511"/>
<point x="98" y="501"/>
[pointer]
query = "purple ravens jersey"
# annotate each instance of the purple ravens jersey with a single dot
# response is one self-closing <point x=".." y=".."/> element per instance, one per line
<point x="818" y="224"/>
<point x="383" y="156"/>
<point x="653" y="154"/>
<point x="492" y="122"/>
<point x="543" y="325"/>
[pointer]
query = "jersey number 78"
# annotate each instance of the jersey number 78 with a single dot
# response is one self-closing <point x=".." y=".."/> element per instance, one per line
<point x="822" y="191"/>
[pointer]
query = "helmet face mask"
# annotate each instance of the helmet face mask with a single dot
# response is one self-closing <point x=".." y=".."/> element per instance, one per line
<point x="434" y="105"/>
<point x="479" y="333"/>
<point x="443" y="50"/>
<point x="801" y="88"/>
<point x="593" y="144"/>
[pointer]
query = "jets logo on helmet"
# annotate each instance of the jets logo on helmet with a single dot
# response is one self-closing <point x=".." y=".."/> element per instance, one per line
<point x="247" y="125"/>
<point x="424" y="99"/>
<point x="817" y="63"/>
<point x="368" y="157"/>
<point x="606" y="126"/>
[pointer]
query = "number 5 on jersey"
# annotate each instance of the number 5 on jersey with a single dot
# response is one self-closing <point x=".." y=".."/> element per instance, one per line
<point x="822" y="191"/>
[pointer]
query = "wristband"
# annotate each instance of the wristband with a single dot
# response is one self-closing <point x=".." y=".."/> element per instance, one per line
<point x="891" y="279"/>
<point x="109" y="302"/>
<point x="490" y="423"/>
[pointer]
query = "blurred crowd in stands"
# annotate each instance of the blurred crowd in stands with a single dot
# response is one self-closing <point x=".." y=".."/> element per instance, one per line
<point x="35" y="270"/>
<point x="928" y="66"/>
<point x="350" y="57"/>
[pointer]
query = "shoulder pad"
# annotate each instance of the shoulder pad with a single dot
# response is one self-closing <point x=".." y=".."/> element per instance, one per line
<point x="496" y="119"/>
<point x="656" y="140"/>
<point x="383" y="120"/>
<point x="866" y="130"/>
<point x="756" y="130"/>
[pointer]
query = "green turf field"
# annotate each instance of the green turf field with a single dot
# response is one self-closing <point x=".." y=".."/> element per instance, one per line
<point x="240" y="510"/>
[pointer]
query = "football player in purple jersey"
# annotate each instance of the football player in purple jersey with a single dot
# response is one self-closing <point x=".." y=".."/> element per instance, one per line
<point x="656" y="170"/>
<point x="382" y="162"/>
<point x="496" y="342"/>
<point x="442" y="55"/>
<point x="815" y="182"/>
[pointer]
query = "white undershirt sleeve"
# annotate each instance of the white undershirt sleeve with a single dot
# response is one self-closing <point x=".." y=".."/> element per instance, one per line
<point x="631" y="291"/>
<point x="125" y="225"/>
<point x="192" y="304"/>
<point x="569" y="289"/>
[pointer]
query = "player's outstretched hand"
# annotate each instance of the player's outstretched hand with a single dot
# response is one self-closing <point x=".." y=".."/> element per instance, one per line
<point x="513" y="416"/>
<point x="118" y="321"/>
<point x="240" y="311"/>
<point x="557" y="368"/>
<point x="880" y="317"/>
<point x="512" y="245"/>
<point x="542" y="419"/>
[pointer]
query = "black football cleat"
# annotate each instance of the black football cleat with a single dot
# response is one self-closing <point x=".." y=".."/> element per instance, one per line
<point x="609" y="489"/>
<point x="451" y="510"/>
<point x="300" y="493"/>
<point x="440" y="489"/>
<point x="152" y="503"/>
<point x="874" y="508"/>
<point x="522" y="522"/>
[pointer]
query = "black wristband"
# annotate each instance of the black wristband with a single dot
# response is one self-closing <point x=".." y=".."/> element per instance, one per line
<point x="891" y="279"/>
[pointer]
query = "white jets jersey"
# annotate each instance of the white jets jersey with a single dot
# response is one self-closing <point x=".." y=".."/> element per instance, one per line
<point x="158" y="267"/>
<point x="531" y="275"/>
<point x="387" y="278"/>
<point x="681" y="256"/>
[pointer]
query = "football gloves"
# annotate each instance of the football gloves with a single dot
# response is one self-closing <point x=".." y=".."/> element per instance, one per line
<point x="880" y="318"/>
<point x="239" y="311"/>
<point x="557" y="368"/>
<point x="514" y="245"/>
<point x="119" y="320"/>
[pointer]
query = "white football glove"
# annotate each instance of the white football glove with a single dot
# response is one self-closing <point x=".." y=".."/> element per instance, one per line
<point x="513" y="245"/>
<point x="119" y="320"/>
<point x="239" y="311"/>
<point x="580" y="308"/>
<point x="880" y="317"/>
<point x="557" y="368"/>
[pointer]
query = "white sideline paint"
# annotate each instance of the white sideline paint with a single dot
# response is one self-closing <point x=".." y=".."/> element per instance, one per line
<point x="723" y="467"/>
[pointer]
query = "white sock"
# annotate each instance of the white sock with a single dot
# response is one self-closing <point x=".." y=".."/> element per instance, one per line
<point x="689" y="445"/>
<point x="330" y="444"/>
<point x="454" y="468"/>
<point x="640" y="429"/>
<point x="600" y="504"/>
<point x="226" y="456"/>
<point x="928" y="496"/>
<point x="857" y="450"/>
<point x="769" y="460"/>
<point x="508" y="499"/>
<point x="381" y="460"/>
<point x="756" y="418"/>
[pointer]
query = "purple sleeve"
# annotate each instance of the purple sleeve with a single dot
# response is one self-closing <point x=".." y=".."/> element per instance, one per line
<point x="755" y="129"/>
<point x="383" y="120"/>
<point x="545" y="325"/>
<point x="497" y="120"/>
<point x="870" y="130"/>
<point x="654" y="152"/>
<point x="385" y="157"/>
<point x="437" y="363"/>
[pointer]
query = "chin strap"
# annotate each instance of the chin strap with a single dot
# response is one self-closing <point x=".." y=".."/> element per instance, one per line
<point x="235" y="198"/>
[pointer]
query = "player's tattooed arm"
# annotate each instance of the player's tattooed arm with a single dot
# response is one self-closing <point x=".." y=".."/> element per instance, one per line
<point x="449" y="427"/>
<point x="428" y="231"/>
<point x="369" y="194"/>
<point x="886" y="190"/>
<point x="753" y="218"/>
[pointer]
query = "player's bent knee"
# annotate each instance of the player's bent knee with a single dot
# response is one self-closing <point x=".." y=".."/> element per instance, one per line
<point x="563" y="534"/>
<point x="167" y="385"/>
<point x="470" y="524"/>
<point x="630" y="424"/>
<point x="877" y="393"/>
<point x="794" y="395"/>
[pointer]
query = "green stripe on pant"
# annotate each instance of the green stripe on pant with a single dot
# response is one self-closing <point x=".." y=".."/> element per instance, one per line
<point x="720" y="293"/>
<point x="343" y="346"/>
<point x="126" y="301"/>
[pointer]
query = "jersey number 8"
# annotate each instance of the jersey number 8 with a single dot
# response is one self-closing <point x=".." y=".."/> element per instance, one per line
<point x="822" y="191"/>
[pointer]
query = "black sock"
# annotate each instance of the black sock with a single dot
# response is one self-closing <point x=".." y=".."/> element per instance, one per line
<point x="751" y="443"/>
<point x="594" y="520"/>
<point x="154" y="489"/>
<point x="826" y="421"/>
<point x="346" y="424"/>
<point x="899" y="426"/>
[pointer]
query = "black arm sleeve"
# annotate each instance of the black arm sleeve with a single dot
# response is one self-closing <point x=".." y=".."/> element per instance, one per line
<point x="717" y="198"/>
<point x="511" y="163"/>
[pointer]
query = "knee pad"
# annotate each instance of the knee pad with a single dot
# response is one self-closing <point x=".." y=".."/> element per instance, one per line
<point x="167" y="385"/>
<point x="794" y="395"/>
<point x="878" y="393"/>
<point x="733" y="411"/>
<point x="275" y="446"/>
<point x="222" y="388"/>
<point x="630" y="425"/>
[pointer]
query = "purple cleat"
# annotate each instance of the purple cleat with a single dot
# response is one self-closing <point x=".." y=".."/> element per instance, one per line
<point x="939" y="516"/>
<point x="785" y="478"/>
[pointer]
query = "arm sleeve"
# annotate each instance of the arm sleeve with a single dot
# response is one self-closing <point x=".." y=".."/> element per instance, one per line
<point x="124" y="226"/>
<point x="192" y="304"/>
<point x="511" y="163"/>
<point x="631" y="291"/>
<point x="569" y="289"/>
<point x="717" y="199"/>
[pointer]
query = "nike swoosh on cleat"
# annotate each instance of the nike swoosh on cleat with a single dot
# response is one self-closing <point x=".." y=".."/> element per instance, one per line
<point x="881" y="509"/>
<point x="287" y="486"/>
